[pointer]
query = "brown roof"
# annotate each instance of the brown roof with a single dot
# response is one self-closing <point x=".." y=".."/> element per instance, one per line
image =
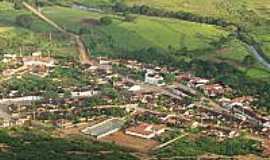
<point x="36" y="58"/>
<point x="243" y="99"/>
<point x="145" y="129"/>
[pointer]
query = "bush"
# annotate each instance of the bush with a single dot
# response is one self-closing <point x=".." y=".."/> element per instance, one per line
<point x="25" y="21"/>
<point x="18" y="5"/>
<point x="105" y="20"/>
<point x="249" y="61"/>
<point x="120" y="7"/>
<point x="129" y="18"/>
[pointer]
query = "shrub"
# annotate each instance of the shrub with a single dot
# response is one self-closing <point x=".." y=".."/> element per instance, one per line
<point x="24" y="20"/>
<point x="18" y="4"/>
<point x="129" y="18"/>
<point x="105" y="20"/>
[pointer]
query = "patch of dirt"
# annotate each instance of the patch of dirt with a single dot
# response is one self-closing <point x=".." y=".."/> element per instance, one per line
<point x="266" y="147"/>
<point x="249" y="157"/>
<point x="131" y="142"/>
<point x="89" y="22"/>
<point x="223" y="50"/>
<point x="4" y="147"/>
<point x="76" y="129"/>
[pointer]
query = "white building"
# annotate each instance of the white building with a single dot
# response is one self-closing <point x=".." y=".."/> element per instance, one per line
<point x="38" y="61"/>
<point x="135" y="88"/>
<point x="84" y="93"/>
<point x="152" y="77"/>
<point x="145" y="130"/>
<point x="104" y="128"/>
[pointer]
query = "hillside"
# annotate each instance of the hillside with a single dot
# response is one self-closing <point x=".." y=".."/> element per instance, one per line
<point x="178" y="78"/>
<point x="178" y="40"/>
<point x="253" y="13"/>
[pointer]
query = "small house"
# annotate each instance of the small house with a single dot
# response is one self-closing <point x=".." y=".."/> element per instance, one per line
<point x="144" y="130"/>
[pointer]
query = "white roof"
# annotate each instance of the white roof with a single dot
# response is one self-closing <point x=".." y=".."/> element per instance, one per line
<point x="104" y="127"/>
<point x="37" y="53"/>
<point x="134" y="88"/>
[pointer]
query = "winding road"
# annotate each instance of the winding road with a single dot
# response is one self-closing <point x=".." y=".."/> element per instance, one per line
<point x="81" y="48"/>
<point x="259" y="57"/>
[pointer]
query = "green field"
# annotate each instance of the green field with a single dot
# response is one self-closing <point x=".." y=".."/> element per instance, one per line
<point x="210" y="145"/>
<point x="36" y="144"/>
<point x="228" y="9"/>
<point x="253" y="14"/>
<point x="159" y="33"/>
<point x="197" y="40"/>
<point x="14" y="39"/>
<point x="144" y="31"/>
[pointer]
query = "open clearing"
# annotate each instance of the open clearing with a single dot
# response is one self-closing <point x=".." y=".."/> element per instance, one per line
<point x="130" y="142"/>
<point x="254" y="12"/>
<point x="144" y="31"/>
<point x="5" y="29"/>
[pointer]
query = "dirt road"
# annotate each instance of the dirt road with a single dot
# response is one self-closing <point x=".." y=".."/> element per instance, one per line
<point x="84" y="54"/>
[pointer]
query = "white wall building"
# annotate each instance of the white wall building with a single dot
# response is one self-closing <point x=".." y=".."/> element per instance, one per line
<point x="145" y="130"/>
<point x="153" y="78"/>
<point x="104" y="128"/>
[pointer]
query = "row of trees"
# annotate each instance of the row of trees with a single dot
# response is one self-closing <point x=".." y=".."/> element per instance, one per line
<point x="150" y="11"/>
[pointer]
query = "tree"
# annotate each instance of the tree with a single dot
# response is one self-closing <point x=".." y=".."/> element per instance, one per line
<point x="128" y="17"/>
<point x="18" y="4"/>
<point x="249" y="61"/>
<point x="120" y="7"/>
<point x="105" y="20"/>
<point x="169" y="77"/>
<point x="24" y="20"/>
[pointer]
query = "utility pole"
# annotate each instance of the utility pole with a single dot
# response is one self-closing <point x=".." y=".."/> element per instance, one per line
<point x="50" y="36"/>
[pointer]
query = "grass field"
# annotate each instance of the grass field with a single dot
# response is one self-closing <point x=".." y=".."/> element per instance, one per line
<point x="5" y="29"/>
<point x="41" y="143"/>
<point x="144" y="31"/>
<point x="14" y="39"/>
<point x="254" y="14"/>
<point x="17" y="40"/>
<point x="228" y="9"/>
<point x="161" y="33"/>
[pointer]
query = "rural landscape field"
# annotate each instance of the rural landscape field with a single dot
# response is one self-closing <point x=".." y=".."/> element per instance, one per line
<point x="134" y="79"/>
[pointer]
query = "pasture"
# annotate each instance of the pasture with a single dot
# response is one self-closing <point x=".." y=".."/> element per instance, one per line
<point x="196" y="40"/>
<point x="144" y="31"/>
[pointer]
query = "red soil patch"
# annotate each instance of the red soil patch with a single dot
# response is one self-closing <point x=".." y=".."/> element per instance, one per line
<point x="266" y="146"/>
<point x="90" y="22"/>
<point x="131" y="142"/>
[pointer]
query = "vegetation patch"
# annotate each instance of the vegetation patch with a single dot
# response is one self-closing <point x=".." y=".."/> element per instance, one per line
<point x="204" y="145"/>
<point x="36" y="144"/>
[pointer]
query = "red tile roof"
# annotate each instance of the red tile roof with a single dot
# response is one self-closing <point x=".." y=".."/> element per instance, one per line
<point x="145" y="129"/>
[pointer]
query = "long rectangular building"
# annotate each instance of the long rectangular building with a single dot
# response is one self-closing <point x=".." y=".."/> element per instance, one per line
<point x="104" y="128"/>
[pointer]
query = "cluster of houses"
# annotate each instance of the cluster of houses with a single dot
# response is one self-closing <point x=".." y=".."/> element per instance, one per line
<point x="153" y="77"/>
<point x="34" y="64"/>
<point x="171" y="104"/>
